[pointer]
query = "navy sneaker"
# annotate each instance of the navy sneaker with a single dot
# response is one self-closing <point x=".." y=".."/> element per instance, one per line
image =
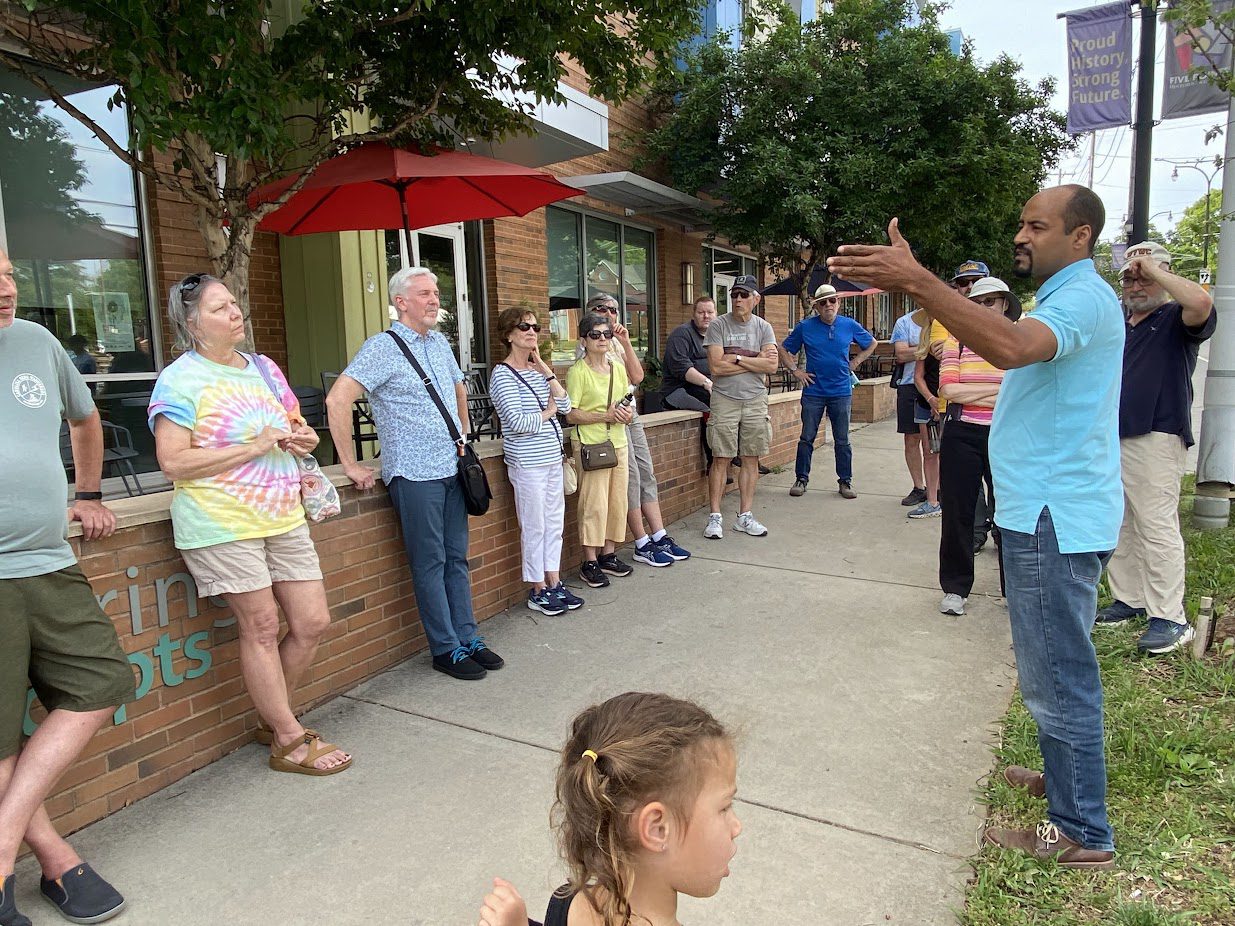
<point x="650" y="554"/>
<point x="572" y="601"/>
<point x="1163" y="636"/>
<point x="8" y="905"/>
<point x="1117" y="612"/>
<point x="612" y="564"/>
<point x="669" y="547"/>
<point x="82" y="896"/>
<point x="545" y="602"/>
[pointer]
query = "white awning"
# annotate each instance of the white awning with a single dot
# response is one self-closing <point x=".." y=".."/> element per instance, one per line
<point x="643" y="197"/>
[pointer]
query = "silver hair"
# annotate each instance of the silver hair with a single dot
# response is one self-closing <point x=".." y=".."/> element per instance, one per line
<point x="601" y="299"/>
<point x="183" y="303"/>
<point x="400" y="280"/>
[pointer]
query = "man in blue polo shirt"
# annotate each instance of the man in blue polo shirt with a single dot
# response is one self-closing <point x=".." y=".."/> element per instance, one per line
<point x="1168" y="318"/>
<point x="1054" y="449"/>
<point x="828" y="381"/>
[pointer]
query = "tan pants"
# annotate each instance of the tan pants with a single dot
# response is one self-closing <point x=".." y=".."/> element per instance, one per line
<point x="1147" y="568"/>
<point x="602" y="502"/>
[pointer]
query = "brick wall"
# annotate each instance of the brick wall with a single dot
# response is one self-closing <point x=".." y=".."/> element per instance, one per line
<point x="193" y="707"/>
<point x="873" y="400"/>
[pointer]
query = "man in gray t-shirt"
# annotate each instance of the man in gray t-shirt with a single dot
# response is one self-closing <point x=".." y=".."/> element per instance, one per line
<point x="53" y="634"/>
<point x="741" y="353"/>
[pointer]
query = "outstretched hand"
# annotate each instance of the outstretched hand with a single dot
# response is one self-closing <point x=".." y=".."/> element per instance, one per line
<point x="887" y="267"/>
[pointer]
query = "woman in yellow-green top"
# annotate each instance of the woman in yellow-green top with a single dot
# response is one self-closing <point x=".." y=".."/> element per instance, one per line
<point x="596" y="388"/>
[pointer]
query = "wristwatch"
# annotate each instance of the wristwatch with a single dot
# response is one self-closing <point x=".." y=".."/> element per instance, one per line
<point x="87" y="496"/>
<point x="737" y="358"/>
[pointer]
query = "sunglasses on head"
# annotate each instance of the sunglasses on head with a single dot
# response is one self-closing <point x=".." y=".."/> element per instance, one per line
<point x="528" y="326"/>
<point x="597" y="335"/>
<point x="191" y="282"/>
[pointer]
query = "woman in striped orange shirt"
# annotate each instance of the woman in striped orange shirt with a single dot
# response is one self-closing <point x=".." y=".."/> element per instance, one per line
<point x="970" y="385"/>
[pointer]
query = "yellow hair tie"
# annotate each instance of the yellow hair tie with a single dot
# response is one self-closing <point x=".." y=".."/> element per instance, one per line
<point x="589" y="754"/>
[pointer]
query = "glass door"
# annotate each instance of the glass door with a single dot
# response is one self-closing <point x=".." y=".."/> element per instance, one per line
<point x="440" y="248"/>
<point x="721" y="282"/>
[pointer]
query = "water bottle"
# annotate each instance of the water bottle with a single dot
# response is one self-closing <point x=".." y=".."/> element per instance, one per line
<point x="628" y="398"/>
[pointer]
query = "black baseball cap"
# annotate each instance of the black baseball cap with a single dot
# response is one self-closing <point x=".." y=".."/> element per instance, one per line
<point x="745" y="283"/>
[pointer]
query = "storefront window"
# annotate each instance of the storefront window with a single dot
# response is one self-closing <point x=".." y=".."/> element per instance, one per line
<point x="589" y="256"/>
<point x="70" y="222"/>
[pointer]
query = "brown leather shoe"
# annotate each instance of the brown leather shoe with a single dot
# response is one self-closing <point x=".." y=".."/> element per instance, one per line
<point x="1046" y="842"/>
<point x="1027" y="779"/>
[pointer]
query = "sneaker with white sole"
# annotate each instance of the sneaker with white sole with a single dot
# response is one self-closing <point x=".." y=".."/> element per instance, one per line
<point x="715" y="528"/>
<point x="651" y="555"/>
<point x="669" y="547"/>
<point x="545" y="602"/>
<point x="747" y="524"/>
<point x="1164" y="636"/>
<point x="952" y="604"/>
<point x="926" y="510"/>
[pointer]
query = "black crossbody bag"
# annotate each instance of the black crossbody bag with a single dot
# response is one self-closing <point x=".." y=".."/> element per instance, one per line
<point x="472" y="478"/>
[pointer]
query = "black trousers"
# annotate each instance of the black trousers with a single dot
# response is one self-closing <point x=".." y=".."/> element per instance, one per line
<point x="964" y="466"/>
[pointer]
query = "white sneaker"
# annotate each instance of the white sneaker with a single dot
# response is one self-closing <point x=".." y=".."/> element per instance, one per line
<point x="952" y="604"/>
<point x="715" y="529"/>
<point x="747" y="524"/>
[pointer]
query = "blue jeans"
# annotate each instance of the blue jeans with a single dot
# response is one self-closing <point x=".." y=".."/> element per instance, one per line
<point x="1052" y="600"/>
<point x="434" y="522"/>
<point x="837" y="408"/>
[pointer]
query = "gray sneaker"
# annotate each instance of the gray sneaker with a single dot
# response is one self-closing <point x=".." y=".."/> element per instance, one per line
<point x="952" y="604"/>
<point x="846" y="489"/>
<point x="926" y="510"/>
<point x="747" y="524"/>
<point x="799" y="488"/>
<point x="715" y="529"/>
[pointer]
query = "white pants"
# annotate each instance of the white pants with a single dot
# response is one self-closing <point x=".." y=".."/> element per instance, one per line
<point x="1147" y="568"/>
<point x="541" y="508"/>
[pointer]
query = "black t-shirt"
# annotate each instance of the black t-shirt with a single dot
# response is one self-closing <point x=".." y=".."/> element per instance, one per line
<point x="684" y="349"/>
<point x="1159" y="360"/>
<point x="930" y="373"/>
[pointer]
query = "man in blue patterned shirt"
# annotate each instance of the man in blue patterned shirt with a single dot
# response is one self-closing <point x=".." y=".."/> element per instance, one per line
<point x="419" y="464"/>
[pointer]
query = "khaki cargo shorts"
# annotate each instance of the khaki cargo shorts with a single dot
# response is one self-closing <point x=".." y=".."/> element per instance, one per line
<point x="745" y="425"/>
<point x="254" y="563"/>
<point x="55" y="638"/>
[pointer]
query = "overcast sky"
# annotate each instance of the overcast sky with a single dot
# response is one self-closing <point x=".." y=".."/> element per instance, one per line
<point x="1029" y="33"/>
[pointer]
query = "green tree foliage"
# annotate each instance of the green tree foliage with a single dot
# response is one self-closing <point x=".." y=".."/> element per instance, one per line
<point x="816" y="135"/>
<point x="281" y="85"/>
<point x="1187" y="241"/>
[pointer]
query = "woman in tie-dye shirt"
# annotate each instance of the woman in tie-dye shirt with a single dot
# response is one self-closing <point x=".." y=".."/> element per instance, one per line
<point x="227" y="430"/>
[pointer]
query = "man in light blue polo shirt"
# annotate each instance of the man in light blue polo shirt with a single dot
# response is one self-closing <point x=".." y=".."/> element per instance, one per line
<point x="828" y="378"/>
<point x="1055" y="460"/>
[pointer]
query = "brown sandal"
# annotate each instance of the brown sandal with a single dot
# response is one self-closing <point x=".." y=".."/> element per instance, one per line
<point x="265" y="736"/>
<point x="280" y="763"/>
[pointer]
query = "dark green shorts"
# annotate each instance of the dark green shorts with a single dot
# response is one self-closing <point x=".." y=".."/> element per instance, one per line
<point x="55" y="637"/>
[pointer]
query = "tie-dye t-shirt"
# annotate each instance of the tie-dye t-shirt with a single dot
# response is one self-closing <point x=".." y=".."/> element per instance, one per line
<point x="224" y="406"/>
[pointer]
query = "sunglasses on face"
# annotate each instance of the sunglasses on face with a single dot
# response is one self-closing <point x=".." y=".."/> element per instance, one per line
<point x="831" y="300"/>
<point x="528" y="326"/>
<point x="191" y="282"/>
<point x="989" y="301"/>
<point x="963" y="284"/>
<point x="739" y="294"/>
<point x="597" y="335"/>
<point x="606" y="309"/>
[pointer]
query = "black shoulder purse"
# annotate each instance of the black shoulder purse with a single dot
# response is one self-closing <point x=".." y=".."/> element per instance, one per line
<point x="472" y="478"/>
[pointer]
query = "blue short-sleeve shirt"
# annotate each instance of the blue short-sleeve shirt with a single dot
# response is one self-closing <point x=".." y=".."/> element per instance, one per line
<point x="827" y="352"/>
<point x="416" y="443"/>
<point x="1055" y="435"/>
<point x="905" y="330"/>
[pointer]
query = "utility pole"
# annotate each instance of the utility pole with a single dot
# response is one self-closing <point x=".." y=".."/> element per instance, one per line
<point x="1142" y="138"/>
<point x="1215" y="466"/>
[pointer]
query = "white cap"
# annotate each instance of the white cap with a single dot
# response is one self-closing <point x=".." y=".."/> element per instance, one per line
<point x="1150" y="249"/>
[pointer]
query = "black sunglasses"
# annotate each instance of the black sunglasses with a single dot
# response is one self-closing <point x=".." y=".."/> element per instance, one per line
<point x="827" y="301"/>
<point x="191" y="282"/>
<point x="597" y="335"/>
<point x="528" y="326"/>
<point x="964" y="284"/>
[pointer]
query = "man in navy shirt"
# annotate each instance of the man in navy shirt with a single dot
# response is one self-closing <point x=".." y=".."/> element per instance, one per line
<point x="828" y="382"/>
<point x="1168" y="318"/>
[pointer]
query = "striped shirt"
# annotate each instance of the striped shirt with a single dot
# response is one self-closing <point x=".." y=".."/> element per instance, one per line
<point x="519" y="397"/>
<point x="962" y="366"/>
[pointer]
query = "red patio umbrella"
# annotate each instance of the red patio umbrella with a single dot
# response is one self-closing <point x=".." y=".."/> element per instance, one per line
<point x="377" y="186"/>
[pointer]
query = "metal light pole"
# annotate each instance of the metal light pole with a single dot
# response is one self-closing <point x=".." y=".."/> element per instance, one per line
<point x="1209" y="182"/>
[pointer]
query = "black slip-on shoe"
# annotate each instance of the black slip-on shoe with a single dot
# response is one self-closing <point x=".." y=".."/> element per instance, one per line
<point x="82" y="896"/>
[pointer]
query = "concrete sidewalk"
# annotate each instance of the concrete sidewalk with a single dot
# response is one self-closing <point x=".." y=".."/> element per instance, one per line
<point x="865" y="721"/>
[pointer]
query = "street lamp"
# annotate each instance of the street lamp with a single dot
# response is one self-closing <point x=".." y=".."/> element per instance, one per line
<point x="1209" y="181"/>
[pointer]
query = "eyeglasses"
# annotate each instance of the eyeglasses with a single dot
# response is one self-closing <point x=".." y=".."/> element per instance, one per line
<point x="1129" y="279"/>
<point x="963" y="284"/>
<point x="828" y="301"/>
<point x="597" y="335"/>
<point x="528" y="326"/>
<point x="605" y="309"/>
<point x="989" y="301"/>
<point x="191" y="282"/>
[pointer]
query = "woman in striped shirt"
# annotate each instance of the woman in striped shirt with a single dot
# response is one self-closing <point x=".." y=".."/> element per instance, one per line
<point x="528" y="398"/>
<point x="970" y="385"/>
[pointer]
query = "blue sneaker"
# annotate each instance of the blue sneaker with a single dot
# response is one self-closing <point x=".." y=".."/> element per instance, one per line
<point x="545" y="602"/>
<point x="669" y="546"/>
<point x="1117" y="613"/>
<point x="926" y="510"/>
<point x="572" y="601"/>
<point x="651" y="554"/>
<point x="1163" y="636"/>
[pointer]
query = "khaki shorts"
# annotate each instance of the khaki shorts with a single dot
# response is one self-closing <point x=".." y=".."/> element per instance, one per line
<point x="253" y="564"/>
<point x="56" y="638"/>
<point x="745" y="425"/>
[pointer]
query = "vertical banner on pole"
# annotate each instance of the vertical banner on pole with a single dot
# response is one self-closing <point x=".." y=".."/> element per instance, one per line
<point x="1185" y="93"/>
<point x="1099" y="68"/>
